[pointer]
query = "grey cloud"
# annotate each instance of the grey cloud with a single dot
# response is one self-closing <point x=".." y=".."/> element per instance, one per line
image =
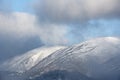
<point x="21" y="25"/>
<point x="78" y="14"/>
<point x="76" y="11"/>
<point x="17" y="34"/>
<point x="10" y="47"/>
<point x="20" y="32"/>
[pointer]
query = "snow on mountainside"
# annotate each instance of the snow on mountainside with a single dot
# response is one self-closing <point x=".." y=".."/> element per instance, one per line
<point x="25" y="62"/>
<point x="96" y="59"/>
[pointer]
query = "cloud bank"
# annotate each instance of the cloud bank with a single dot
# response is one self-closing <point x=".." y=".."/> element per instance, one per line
<point x="56" y="22"/>
<point x="84" y="18"/>
<point x="20" y="32"/>
<point x="76" y="11"/>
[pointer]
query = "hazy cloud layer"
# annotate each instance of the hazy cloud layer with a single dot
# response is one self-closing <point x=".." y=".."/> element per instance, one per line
<point x="76" y="11"/>
<point x="20" y="32"/>
<point x="22" y="25"/>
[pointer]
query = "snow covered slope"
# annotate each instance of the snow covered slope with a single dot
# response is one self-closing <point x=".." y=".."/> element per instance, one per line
<point x="25" y="62"/>
<point x="97" y="59"/>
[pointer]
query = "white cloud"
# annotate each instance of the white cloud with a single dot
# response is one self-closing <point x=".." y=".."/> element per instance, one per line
<point x="24" y="25"/>
<point x="17" y="24"/>
<point x="53" y="34"/>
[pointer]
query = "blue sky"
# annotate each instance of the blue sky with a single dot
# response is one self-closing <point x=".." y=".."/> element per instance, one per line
<point x="21" y="5"/>
<point x="18" y="5"/>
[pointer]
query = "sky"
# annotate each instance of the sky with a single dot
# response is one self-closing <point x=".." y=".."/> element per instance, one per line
<point x="29" y="24"/>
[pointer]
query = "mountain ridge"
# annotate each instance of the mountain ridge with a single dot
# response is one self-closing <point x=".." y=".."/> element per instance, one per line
<point x="96" y="59"/>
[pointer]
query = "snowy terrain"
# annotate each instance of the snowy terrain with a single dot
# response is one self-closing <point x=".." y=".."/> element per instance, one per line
<point x="25" y="62"/>
<point x="96" y="59"/>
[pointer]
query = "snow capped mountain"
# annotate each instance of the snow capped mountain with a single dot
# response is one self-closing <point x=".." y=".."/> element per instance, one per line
<point x="96" y="59"/>
<point x="26" y="61"/>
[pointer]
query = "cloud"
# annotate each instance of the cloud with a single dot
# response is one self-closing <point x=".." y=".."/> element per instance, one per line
<point x="17" y="34"/>
<point x="53" y="34"/>
<point x="76" y="11"/>
<point x="17" y="24"/>
<point x="21" y="32"/>
<point x="56" y="22"/>
<point x="84" y="18"/>
<point x="21" y="25"/>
